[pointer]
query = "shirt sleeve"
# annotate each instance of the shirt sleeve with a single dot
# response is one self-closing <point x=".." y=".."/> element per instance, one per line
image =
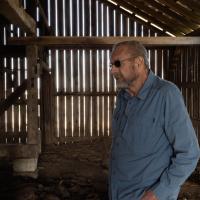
<point x="183" y="140"/>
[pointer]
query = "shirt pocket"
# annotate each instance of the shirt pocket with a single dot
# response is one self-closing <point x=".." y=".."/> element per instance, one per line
<point x="145" y="134"/>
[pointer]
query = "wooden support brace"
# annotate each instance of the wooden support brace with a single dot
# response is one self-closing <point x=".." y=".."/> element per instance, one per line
<point x="5" y="104"/>
<point x="12" y="10"/>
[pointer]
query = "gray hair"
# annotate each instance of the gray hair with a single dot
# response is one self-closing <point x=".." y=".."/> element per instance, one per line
<point x="136" y="48"/>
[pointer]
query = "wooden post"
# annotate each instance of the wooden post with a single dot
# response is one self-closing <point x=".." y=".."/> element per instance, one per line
<point x="2" y="117"/>
<point x="32" y="102"/>
<point x="47" y="106"/>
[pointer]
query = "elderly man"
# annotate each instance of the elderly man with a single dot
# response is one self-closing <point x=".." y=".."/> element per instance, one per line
<point x="154" y="147"/>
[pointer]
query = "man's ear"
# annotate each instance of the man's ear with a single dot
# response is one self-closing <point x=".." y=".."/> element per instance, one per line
<point x="140" y="60"/>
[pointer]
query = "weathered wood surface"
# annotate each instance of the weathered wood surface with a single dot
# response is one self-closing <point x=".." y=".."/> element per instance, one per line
<point x="12" y="10"/>
<point x="13" y="97"/>
<point x="32" y="106"/>
<point x="83" y="42"/>
<point x="11" y="151"/>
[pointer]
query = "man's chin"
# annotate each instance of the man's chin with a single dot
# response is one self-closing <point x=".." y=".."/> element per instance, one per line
<point x="122" y="85"/>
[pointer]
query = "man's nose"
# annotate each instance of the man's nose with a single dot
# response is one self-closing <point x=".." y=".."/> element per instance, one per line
<point x="113" y="69"/>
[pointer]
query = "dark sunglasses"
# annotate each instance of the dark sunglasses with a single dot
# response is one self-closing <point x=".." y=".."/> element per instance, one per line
<point x="118" y="63"/>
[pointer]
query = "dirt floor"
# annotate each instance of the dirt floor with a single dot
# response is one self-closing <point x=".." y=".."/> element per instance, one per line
<point x="75" y="171"/>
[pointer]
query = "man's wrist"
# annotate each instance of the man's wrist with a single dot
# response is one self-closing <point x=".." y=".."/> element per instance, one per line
<point x="149" y="195"/>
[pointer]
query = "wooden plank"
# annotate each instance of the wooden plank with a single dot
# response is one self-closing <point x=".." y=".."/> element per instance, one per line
<point x="17" y="15"/>
<point x="2" y="96"/>
<point x="194" y="33"/>
<point x="5" y="104"/>
<point x="54" y="106"/>
<point x="86" y="93"/>
<point x="32" y="56"/>
<point x="8" y="92"/>
<point x="94" y="89"/>
<point x="61" y="110"/>
<point x="166" y="63"/>
<point x="162" y="19"/>
<point x="43" y="13"/>
<point x="23" y="99"/>
<point x="181" y="10"/>
<point x="159" y="62"/>
<point x="106" y="111"/>
<point x="77" y="84"/>
<point x="19" y="151"/>
<point x="83" y="42"/>
<point x="147" y="16"/>
<point x="171" y="13"/>
<point x="16" y="107"/>
<point x="125" y="13"/>
<point x="11" y="51"/>
<point x="87" y="89"/>
<point x="47" y="109"/>
<point x="14" y="136"/>
<point x="191" y="5"/>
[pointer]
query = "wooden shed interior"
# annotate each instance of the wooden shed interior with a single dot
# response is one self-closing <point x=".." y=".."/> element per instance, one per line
<point x="57" y="94"/>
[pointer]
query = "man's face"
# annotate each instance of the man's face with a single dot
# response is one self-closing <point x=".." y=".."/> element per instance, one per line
<point x="127" y="72"/>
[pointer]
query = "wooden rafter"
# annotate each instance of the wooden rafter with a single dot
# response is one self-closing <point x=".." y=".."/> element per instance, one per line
<point x="12" y="10"/>
<point x="195" y="33"/>
<point x="168" y="12"/>
<point x="190" y="4"/>
<point x="83" y="42"/>
<point x="174" y="6"/>
<point x="149" y="17"/>
<point x="162" y="18"/>
<point x="131" y="16"/>
<point x="42" y="13"/>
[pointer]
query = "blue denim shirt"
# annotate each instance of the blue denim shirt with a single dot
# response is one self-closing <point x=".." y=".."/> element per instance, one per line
<point x="154" y="144"/>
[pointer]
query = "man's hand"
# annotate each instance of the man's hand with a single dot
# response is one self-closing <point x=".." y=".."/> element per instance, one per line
<point x="149" y="195"/>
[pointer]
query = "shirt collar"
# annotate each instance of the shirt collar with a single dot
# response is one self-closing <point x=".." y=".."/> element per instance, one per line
<point x="147" y="84"/>
<point x="144" y="90"/>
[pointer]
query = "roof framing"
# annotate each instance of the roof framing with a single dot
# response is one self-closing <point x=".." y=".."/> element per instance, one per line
<point x="181" y="10"/>
<point x="12" y="10"/>
<point x="163" y="10"/>
<point x="149" y="14"/>
<point x="179" y="17"/>
<point x="131" y="16"/>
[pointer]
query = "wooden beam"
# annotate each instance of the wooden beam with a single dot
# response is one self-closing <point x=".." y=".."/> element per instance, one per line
<point x="12" y="51"/>
<point x="146" y="16"/>
<point x="181" y="10"/>
<point x="151" y="15"/>
<point x="61" y="93"/>
<point x="44" y="17"/>
<point x="188" y="85"/>
<point x="19" y="151"/>
<point x="5" y="104"/>
<point x="11" y="10"/>
<point x="194" y="33"/>
<point x="131" y="16"/>
<point x="32" y="106"/>
<point x="192" y="5"/>
<point x="89" y="42"/>
<point x="170" y="13"/>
